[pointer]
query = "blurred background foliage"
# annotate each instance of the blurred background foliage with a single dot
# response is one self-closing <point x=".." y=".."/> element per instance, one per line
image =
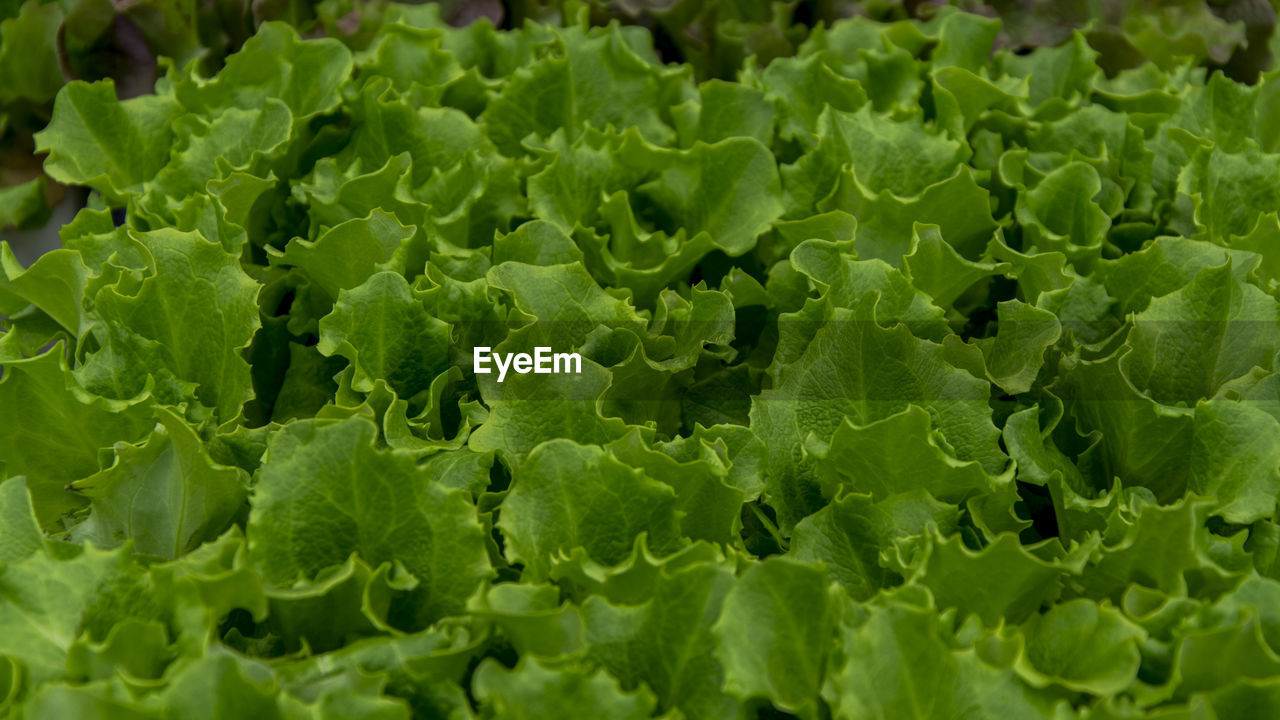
<point x="46" y="43"/>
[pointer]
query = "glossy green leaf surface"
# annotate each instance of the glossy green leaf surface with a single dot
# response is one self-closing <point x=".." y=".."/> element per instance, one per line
<point x="727" y="360"/>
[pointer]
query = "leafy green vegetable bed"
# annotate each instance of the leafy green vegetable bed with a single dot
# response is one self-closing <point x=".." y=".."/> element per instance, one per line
<point x="919" y="379"/>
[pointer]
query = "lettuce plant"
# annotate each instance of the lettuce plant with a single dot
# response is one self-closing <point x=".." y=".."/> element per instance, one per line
<point x="917" y="377"/>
